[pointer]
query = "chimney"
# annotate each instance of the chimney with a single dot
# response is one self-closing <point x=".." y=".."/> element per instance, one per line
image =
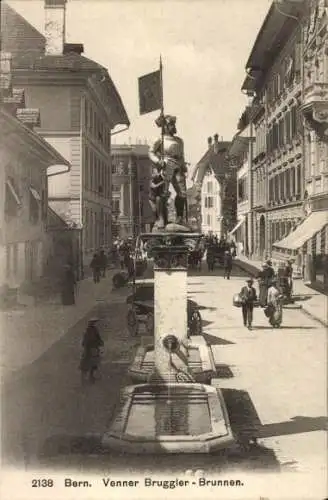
<point x="55" y="26"/>
<point x="216" y="143"/>
<point x="209" y="142"/>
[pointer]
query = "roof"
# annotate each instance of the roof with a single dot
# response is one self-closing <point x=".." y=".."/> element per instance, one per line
<point x="239" y="145"/>
<point x="17" y="34"/>
<point x="276" y="28"/>
<point x="213" y="160"/>
<point x="27" y="47"/>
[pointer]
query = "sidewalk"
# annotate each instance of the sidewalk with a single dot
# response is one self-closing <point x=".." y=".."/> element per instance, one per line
<point x="311" y="302"/>
<point x="28" y="332"/>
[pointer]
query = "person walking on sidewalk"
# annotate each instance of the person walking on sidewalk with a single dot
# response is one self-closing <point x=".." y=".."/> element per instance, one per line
<point x="227" y="264"/>
<point x="96" y="267"/>
<point x="274" y="307"/>
<point x="68" y="286"/>
<point x="248" y="297"/>
<point x="264" y="276"/>
<point x="103" y="262"/>
<point x="91" y="344"/>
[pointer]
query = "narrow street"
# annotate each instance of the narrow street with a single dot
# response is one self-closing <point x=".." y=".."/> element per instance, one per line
<point x="274" y="380"/>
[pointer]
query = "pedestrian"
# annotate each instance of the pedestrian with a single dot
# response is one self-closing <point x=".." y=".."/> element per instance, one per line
<point x="210" y="258"/>
<point x="227" y="264"/>
<point x="95" y="266"/>
<point x="103" y="262"/>
<point x="274" y="304"/>
<point x="264" y="277"/>
<point x="248" y="297"/>
<point x="91" y="344"/>
<point x="68" y="286"/>
<point x="289" y="276"/>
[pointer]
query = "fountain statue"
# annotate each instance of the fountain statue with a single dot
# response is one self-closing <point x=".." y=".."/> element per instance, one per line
<point x="177" y="406"/>
<point x="169" y="178"/>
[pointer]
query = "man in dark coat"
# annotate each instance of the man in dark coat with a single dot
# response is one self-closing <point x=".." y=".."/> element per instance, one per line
<point x="227" y="264"/>
<point x="96" y="267"/>
<point x="68" y="286"/>
<point x="91" y="343"/>
<point x="103" y="262"/>
<point x="248" y="297"/>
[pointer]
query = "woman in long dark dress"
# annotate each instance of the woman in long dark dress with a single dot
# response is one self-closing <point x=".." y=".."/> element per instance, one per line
<point x="68" y="287"/>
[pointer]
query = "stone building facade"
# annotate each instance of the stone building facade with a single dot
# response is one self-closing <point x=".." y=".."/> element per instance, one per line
<point x="131" y="175"/>
<point x="275" y="78"/>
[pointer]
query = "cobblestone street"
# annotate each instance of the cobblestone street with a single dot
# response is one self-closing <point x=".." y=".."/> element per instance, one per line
<point x="273" y="379"/>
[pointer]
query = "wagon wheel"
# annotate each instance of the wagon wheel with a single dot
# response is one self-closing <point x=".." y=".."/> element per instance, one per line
<point x="132" y="322"/>
<point x="150" y="323"/>
<point x="195" y="324"/>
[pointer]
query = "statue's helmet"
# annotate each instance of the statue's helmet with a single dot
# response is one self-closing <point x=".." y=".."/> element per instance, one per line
<point x="165" y="120"/>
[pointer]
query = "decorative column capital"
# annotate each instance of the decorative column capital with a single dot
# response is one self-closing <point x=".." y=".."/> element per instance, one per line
<point x="169" y="258"/>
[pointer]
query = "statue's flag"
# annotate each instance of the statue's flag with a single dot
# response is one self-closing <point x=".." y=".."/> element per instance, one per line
<point x="150" y="92"/>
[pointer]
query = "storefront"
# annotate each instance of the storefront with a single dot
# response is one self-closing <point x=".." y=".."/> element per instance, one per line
<point x="307" y="245"/>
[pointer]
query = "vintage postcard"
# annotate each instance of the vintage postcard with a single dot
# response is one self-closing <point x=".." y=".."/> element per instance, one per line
<point x="164" y="249"/>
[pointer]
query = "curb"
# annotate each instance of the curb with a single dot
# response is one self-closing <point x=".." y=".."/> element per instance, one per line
<point x="311" y="315"/>
<point x="252" y="270"/>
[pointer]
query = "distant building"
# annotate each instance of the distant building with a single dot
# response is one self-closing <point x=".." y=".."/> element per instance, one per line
<point x="131" y="175"/>
<point x="26" y="246"/>
<point x="80" y="107"/>
<point x="215" y="189"/>
<point x="240" y="153"/>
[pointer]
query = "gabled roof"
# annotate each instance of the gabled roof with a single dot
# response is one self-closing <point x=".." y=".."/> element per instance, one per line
<point x="277" y="27"/>
<point x="216" y="161"/>
<point x="17" y="34"/>
<point x="27" y="47"/>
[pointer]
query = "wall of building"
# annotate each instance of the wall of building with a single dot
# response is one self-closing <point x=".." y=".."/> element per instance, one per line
<point x="211" y="205"/>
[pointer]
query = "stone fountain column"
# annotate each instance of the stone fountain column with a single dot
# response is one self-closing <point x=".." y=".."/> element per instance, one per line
<point x="170" y="342"/>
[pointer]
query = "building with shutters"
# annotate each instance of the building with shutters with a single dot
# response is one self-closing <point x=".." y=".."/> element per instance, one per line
<point x="26" y="162"/>
<point x="80" y="107"/>
<point x="215" y="189"/>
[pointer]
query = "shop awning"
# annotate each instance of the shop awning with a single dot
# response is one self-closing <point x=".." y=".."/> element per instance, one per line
<point x="306" y="230"/>
<point x="237" y="226"/>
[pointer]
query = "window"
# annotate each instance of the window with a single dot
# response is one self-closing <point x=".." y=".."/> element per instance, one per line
<point x="116" y="188"/>
<point x="209" y="220"/>
<point x="288" y="126"/>
<point x="210" y="187"/>
<point x="116" y="206"/>
<point x="208" y="202"/>
<point x="34" y="214"/>
<point x="293" y="122"/>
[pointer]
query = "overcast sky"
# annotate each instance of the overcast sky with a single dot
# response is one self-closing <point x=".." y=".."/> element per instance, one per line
<point x="204" y="45"/>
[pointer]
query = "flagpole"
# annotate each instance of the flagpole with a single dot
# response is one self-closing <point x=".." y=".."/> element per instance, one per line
<point x="162" y="106"/>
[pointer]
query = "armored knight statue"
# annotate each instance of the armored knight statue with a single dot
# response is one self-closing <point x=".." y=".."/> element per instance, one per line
<point x="169" y="179"/>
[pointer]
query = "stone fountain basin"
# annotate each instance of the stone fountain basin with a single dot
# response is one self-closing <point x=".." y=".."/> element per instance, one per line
<point x="170" y="418"/>
<point x="200" y="360"/>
